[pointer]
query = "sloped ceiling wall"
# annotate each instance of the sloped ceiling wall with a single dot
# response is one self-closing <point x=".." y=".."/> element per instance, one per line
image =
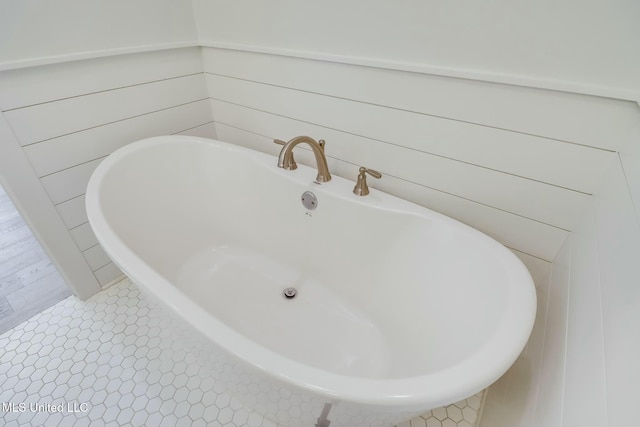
<point x="588" y="44"/>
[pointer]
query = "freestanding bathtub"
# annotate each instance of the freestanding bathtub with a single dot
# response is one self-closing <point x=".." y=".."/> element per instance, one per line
<point x="398" y="309"/>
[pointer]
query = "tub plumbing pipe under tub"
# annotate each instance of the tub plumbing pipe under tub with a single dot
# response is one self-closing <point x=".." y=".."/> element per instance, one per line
<point x="323" y="421"/>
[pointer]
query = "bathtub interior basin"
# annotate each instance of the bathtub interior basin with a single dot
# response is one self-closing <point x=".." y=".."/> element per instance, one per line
<point x="396" y="305"/>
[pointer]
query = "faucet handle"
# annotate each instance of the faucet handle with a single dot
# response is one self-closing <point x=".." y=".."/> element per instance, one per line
<point x="371" y="172"/>
<point x="361" y="188"/>
<point x="291" y="165"/>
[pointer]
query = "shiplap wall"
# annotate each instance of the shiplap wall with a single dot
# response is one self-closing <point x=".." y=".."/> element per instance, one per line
<point x="67" y="117"/>
<point x="580" y="367"/>
<point x="517" y="163"/>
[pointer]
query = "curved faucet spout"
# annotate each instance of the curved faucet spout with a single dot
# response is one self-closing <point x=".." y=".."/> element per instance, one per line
<point x="285" y="159"/>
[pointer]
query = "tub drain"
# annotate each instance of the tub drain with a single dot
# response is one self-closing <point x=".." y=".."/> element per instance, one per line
<point x="290" y="293"/>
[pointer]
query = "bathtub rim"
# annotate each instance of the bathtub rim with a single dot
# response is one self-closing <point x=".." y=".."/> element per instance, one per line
<point x="452" y="384"/>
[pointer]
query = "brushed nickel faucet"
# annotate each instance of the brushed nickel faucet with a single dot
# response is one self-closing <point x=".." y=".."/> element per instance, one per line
<point x="285" y="159"/>
<point x="361" y="188"/>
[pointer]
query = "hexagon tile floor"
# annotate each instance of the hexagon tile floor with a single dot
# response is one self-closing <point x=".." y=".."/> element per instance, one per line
<point x="110" y="361"/>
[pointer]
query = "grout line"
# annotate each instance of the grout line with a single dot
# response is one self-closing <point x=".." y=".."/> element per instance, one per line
<point x="417" y="183"/>
<point x="68" y="200"/>
<point x="90" y="247"/>
<point x="71" y="167"/>
<point x="101" y="91"/>
<point x="104" y="265"/>
<point x="84" y="317"/>
<point x="480" y="203"/>
<point x="102" y="157"/>
<point x="409" y="148"/>
<point x="115" y="121"/>
<point x="193" y="127"/>
<point x="251" y="132"/>
<point x="412" y="111"/>
<point x="79" y="225"/>
<point x="531" y="255"/>
<point x="101" y="266"/>
<point x="115" y="281"/>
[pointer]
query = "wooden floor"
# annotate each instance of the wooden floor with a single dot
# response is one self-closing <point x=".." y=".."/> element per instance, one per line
<point x="29" y="282"/>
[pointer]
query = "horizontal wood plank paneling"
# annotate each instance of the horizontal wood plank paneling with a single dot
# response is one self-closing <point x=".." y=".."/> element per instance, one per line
<point x="83" y="112"/>
<point x="96" y="257"/>
<point x="514" y="162"/>
<point x="540" y="269"/>
<point x="73" y="212"/>
<point x="36" y="85"/>
<point x="540" y="159"/>
<point x="517" y="232"/>
<point x="68" y="117"/>
<point x="66" y="151"/>
<point x="69" y="183"/>
<point x="84" y="236"/>
<point x="582" y="119"/>
<point x="108" y="274"/>
<point x="32" y="200"/>
<point x="207" y="130"/>
<point x="493" y="188"/>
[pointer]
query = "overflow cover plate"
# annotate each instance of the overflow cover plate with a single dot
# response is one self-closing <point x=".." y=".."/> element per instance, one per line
<point x="309" y="200"/>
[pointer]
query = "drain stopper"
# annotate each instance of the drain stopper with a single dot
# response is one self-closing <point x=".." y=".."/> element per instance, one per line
<point x="290" y="293"/>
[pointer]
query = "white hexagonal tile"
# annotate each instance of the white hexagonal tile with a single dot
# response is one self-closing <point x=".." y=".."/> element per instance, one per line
<point x="153" y="405"/>
<point x="225" y="415"/>
<point x="222" y="401"/>
<point x="196" y="411"/>
<point x="139" y="418"/>
<point x="454" y="413"/>
<point x="469" y="414"/>
<point x="449" y="423"/>
<point x="131" y="368"/>
<point x="111" y="414"/>
<point x="154" y="419"/>
<point x="210" y="413"/>
<point x="440" y="413"/>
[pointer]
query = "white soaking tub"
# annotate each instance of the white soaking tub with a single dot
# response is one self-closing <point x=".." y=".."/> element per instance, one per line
<point x="398" y="310"/>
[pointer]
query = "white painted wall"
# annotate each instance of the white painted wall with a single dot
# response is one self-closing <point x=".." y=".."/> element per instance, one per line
<point x="33" y="29"/>
<point x="517" y="163"/>
<point x="490" y="155"/>
<point x="23" y="186"/>
<point x="65" y="118"/>
<point x="332" y="69"/>
<point x="66" y="102"/>
<point x="580" y="368"/>
<point x="582" y="43"/>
